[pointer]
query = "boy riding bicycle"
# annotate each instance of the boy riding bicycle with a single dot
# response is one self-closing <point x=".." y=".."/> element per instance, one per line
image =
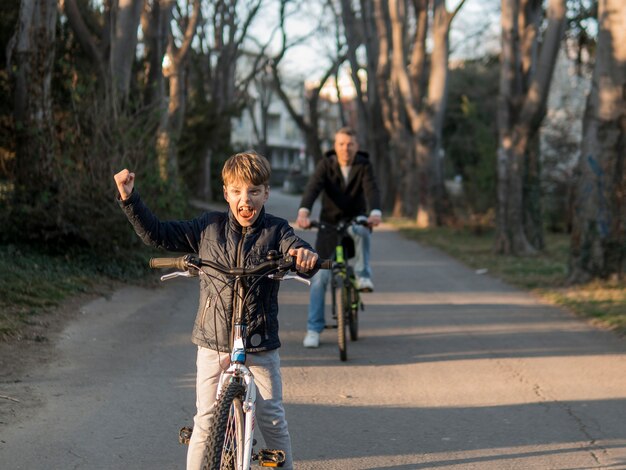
<point x="242" y="236"/>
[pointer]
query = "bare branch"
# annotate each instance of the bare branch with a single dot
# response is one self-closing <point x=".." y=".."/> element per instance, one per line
<point x="189" y="32"/>
<point x="83" y="35"/>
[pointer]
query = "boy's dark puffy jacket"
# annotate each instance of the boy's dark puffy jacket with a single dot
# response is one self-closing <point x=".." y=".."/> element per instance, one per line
<point x="217" y="236"/>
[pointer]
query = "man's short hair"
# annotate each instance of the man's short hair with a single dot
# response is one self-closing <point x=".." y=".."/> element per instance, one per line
<point x="347" y="131"/>
<point x="249" y="167"/>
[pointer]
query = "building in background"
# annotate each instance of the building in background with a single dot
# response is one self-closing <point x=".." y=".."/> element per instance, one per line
<point x="266" y="126"/>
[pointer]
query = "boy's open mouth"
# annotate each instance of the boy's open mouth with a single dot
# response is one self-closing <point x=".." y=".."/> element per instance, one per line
<point x="246" y="212"/>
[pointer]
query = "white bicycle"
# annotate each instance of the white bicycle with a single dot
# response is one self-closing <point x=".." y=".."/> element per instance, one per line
<point x="231" y="438"/>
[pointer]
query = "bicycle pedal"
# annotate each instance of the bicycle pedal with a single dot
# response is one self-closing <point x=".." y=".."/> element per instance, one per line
<point x="270" y="457"/>
<point x="184" y="435"/>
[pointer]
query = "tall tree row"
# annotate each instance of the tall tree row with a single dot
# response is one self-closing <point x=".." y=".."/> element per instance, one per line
<point x="154" y="84"/>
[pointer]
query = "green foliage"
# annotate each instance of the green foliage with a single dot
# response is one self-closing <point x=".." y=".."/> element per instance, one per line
<point x="35" y="280"/>
<point x="205" y="132"/>
<point x="470" y="133"/>
<point x="544" y="274"/>
<point x="8" y="21"/>
<point x="75" y="205"/>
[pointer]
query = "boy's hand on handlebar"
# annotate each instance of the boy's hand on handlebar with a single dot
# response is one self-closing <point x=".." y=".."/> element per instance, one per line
<point x="305" y="259"/>
<point x="125" y="181"/>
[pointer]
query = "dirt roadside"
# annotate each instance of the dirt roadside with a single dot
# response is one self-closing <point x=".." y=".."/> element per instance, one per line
<point x="21" y="357"/>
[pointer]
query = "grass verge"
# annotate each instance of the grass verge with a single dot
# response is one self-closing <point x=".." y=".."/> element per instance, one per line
<point x="34" y="281"/>
<point x="545" y="274"/>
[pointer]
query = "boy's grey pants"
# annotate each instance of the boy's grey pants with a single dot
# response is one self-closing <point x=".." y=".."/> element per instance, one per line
<point x="270" y="413"/>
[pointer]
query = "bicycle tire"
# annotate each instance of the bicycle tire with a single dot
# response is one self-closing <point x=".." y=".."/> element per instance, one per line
<point x="341" y="306"/>
<point x="225" y="443"/>
<point x="353" y="312"/>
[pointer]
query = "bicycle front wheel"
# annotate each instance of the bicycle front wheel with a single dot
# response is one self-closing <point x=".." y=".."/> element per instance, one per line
<point x="225" y="445"/>
<point x="340" y="305"/>
<point x="353" y="311"/>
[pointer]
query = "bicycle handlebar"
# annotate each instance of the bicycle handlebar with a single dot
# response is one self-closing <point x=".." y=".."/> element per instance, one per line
<point x="359" y="220"/>
<point x="186" y="262"/>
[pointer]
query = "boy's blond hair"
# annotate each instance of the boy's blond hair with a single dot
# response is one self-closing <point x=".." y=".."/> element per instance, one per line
<point x="248" y="167"/>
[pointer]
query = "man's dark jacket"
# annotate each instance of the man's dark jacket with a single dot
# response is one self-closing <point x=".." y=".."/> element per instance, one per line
<point x="217" y="236"/>
<point x="340" y="201"/>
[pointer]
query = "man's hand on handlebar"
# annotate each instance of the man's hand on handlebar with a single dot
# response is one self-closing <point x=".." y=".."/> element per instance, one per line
<point x="374" y="220"/>
<point x="305" y="259"/>
<point x="303" y="220"/>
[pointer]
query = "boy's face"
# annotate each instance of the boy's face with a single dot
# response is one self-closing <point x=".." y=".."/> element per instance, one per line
<point x="246" y="200"/>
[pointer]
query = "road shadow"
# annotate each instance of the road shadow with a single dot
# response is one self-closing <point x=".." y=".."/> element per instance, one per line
<point x="428" y="437"/>
<point x="408" y="333"/>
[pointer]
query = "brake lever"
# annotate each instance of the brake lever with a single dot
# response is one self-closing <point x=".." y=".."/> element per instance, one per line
<point x="167" y="277"/>
<point x="286" y="277"/>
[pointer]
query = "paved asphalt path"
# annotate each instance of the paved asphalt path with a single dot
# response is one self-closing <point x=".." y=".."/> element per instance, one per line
<point x="453" y="370"/>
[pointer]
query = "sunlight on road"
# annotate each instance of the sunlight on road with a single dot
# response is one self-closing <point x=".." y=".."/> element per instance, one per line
<point x="425" y="298"/>
<point x="553" y="455"/>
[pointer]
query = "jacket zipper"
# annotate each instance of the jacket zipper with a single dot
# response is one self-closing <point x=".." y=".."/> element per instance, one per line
<point x="238" y="262"/>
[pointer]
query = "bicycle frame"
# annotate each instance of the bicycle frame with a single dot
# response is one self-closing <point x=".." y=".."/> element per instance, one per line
<point x="237" y="371"/>
<point x="345" y="296"/>
<point x="342" y="268"/>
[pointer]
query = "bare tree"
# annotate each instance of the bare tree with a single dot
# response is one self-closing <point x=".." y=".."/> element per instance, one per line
<point x="525" y="77"/>
<point x="224" y="28"/>
<point x="599" y="223"/>
<point x="33" y="59"/>
<point x="111" y="46"/>
<point x="174" y="70"/>
<point x="359" y="27"/>
<point x="414" y="109"/>
<point x="307" y="119"/>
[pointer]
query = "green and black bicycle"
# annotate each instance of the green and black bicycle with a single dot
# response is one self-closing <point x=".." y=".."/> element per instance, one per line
<point x="345" y="296"/>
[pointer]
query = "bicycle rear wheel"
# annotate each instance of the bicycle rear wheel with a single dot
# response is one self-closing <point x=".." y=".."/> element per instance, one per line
<point x="339" y="304"/>
<point x="225" y="445"/>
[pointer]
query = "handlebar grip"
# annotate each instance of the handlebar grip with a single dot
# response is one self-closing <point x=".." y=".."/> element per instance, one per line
<point x="177" y="263"/>
<point x="324" y="264"/>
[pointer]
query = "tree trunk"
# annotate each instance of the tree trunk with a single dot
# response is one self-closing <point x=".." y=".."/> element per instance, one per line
<point x="124" y="24"/>
<point x="34" y="59"/>
<point x="112" y="49"/>
<point x="156" y="28"/>
<point x="525" y="78"/>
<point x="531" y="193"/>
<point x="171" y="126"/>
<point x="599" y="224"/>
<point x="425" y="195"/>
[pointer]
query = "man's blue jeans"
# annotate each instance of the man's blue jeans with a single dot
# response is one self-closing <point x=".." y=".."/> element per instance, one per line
<point x="361" y="237"/>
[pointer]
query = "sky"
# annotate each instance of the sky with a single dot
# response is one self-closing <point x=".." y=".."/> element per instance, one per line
<point x="475" y="32"/>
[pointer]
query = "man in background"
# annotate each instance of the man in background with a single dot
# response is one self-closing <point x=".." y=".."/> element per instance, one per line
<point x="345" y="178"/>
